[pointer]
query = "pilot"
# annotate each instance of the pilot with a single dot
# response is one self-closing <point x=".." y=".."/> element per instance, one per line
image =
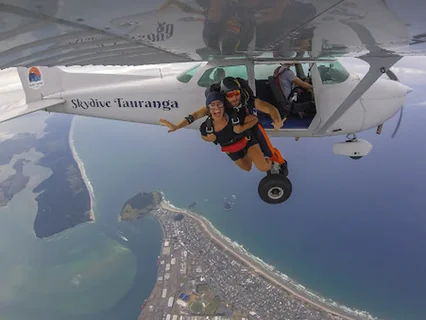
<point x="288" y="79"/>
<point x="237" y="141"/>
<point x="242" y="101"/>
<point x="302" y="104"/>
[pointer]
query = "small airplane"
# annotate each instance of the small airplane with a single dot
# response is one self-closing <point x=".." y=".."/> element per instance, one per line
<point x="247" y="39"/>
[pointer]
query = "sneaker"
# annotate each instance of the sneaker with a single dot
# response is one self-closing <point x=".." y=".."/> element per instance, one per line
<point x="275" y="168"/>
<point x="284" y="168"/>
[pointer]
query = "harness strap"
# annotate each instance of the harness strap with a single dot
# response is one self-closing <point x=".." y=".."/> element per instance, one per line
<point x="209" y="125"/>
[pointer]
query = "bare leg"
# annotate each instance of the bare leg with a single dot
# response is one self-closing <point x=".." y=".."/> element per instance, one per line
<point x="244" y="163"/>
<point x="256" y="155"/>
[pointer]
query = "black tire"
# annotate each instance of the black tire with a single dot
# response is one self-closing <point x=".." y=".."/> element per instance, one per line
<point x="275" y="188"/>
<point x="355" y="157"/>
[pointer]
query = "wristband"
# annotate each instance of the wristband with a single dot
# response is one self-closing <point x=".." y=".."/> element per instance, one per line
<point x="190" y="119"/>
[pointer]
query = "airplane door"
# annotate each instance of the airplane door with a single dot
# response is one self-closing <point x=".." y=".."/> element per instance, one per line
<point x="332" y="84"/>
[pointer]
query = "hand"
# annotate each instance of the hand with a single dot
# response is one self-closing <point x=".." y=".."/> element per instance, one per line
<point x="211" y="137"/>
<point x="238" y="128"/>
<point x="278" y="124"/>
<point x="172" y="127"/>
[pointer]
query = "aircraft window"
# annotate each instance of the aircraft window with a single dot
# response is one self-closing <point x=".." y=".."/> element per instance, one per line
<point x="263" y="71"/>
<point x="305" y="67"/>
<point x="215" y="75"/>
<point x="332" y="72"/>
<point x="187" y="75"/>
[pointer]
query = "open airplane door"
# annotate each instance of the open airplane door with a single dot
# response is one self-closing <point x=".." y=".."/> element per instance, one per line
<point x="332" y="84"/>
<point x="36" y="86"/>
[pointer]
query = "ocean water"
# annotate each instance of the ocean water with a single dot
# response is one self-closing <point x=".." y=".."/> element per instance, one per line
<point x="352" y="230"/>
<point x="86" y="272"/>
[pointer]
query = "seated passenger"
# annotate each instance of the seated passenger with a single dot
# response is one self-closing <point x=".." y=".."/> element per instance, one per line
<point x="218" y="75"/>
<point x="235" y="140"/>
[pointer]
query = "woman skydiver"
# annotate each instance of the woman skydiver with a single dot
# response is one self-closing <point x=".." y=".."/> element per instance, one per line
<point x="235" y="139"/>
<point x="241" y="102"/>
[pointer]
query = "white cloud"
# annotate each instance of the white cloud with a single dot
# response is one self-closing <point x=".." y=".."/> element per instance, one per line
<point x="6" y="135"/>
<point x="420" y="104"/>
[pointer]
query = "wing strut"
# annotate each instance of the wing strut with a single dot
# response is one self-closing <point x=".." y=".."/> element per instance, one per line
<point x="378" y="66"/>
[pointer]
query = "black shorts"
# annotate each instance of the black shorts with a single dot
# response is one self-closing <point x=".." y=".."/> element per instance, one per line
<point x="243" y="152"/>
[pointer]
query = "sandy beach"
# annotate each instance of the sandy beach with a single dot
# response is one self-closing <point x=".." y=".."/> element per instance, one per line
<point x="83" y="172"/>
<point x="258" y="268"/>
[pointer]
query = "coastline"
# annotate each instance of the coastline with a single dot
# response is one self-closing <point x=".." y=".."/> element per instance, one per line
<point x="82" y="169"/>
<point x="269" y="272"/>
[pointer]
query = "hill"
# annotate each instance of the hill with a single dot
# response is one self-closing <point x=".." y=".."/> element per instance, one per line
<point x="139" y="205"/>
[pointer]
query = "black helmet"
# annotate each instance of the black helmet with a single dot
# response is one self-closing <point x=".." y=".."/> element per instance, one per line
<point x="229" y="84"/>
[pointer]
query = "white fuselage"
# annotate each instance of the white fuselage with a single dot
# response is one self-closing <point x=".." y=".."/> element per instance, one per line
<point x="147" y="99"/>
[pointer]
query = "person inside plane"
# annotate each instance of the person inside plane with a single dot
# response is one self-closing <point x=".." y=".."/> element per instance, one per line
<point x="287" y="81"/>
<point x="241" y="101"/>
<point x="218" y="75"/>
<point x="236" y="140"/>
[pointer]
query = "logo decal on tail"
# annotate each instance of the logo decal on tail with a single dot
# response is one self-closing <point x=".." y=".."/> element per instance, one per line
<point x="35" y="79"/>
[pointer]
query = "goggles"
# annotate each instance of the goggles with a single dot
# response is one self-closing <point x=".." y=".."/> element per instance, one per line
<point x="233" y="93"/>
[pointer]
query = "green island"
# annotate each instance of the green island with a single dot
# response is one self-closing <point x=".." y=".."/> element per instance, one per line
<point x="14" y="183"/>
<point x="140" y="205"/>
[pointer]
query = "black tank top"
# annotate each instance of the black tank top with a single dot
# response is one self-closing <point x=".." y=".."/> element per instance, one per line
<point x="226" y="136"/>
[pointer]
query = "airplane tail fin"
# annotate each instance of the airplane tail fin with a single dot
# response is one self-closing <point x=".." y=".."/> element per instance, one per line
<point x="37" y="83"/>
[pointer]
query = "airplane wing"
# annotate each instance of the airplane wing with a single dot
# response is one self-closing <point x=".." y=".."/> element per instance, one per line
<point x="48" y="33"/>
<point x="135" y="32"/>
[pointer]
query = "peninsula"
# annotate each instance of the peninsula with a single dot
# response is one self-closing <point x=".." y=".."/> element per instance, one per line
<point x="203" y="274"/>
<point x="65" y="198"/>
<point x="139" y="205"/>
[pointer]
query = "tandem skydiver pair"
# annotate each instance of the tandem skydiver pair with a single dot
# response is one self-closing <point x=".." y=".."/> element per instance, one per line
<point x="231" y="110"/>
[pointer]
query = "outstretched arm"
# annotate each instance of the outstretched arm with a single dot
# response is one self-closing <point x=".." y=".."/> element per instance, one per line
<point x="268" y="108"/>
<point x="202" y="112"/>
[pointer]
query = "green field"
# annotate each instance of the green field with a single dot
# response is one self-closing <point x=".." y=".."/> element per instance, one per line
<point x="213" y="305"/>
<point x="197" y="307"/>
<point x="202" y="288"/>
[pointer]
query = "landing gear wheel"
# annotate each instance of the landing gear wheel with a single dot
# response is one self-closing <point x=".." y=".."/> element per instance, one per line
<point x="355" y="157"/>
<point x="275" y="188"/>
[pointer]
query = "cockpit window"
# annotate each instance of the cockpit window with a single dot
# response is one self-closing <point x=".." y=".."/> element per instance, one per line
<point x="187" y="75"/>
<point x="215" y="75"/>
<point x="332" y="72"/>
